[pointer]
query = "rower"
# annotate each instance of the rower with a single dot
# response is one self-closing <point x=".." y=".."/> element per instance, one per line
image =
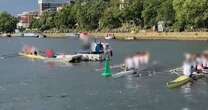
<point x="129" y="64"/>
<point x="205" y="60"/>
<point x="187" y="71"/>
<point x="199" y="63"/>
<point x="137" y="60"/>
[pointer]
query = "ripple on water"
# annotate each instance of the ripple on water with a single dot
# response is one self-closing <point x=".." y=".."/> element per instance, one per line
<point x="185" y="108"/>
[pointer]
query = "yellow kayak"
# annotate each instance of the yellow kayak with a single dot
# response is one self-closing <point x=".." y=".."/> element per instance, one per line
<point x="182" y="80"/>
<point x="32" y="56"/>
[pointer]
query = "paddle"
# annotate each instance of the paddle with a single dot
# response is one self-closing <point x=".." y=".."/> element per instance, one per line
<point x="176" y="71"/>
<point x="9" y="56"/>
<point x="112" y="67"/>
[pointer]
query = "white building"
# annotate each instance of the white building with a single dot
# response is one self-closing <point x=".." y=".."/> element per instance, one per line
<point x="52" y="5"/>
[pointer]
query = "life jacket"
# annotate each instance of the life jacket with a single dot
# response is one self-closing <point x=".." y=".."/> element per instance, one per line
<point x="99" y="48"/>
<point x="50" y="53"/>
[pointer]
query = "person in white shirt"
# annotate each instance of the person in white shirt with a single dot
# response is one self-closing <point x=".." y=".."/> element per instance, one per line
<point x="187" y="69"/>
<point x="136" y="60"/>
<point x="129" y="64"/>
<point x="189" y="66"/>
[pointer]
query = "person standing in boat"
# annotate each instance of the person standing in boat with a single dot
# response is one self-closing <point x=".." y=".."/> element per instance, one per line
<point x="108" y="53"/>
<point x="99" y="48"/>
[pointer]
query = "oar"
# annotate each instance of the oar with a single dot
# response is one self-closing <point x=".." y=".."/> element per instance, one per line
<point x="112" y="67"/>
<point x="9" y="56"/>
<point x="176" y="69"/>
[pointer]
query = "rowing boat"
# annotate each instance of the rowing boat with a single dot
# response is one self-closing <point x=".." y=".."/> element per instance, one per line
<point x="182" y="80"/>
<point x="123" y="73"/>
<point x="32" y="56"/>
<point x="129" y="72"/>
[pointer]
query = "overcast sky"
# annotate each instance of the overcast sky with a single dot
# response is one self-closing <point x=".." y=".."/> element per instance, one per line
<point x="17" y="6"/>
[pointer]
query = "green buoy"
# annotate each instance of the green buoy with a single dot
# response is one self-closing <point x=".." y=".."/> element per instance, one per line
<point x="107" y="70"/>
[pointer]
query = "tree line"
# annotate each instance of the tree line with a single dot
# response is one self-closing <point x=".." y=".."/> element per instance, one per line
<point x="7" y="23"/>
<point x="107" y="15"/>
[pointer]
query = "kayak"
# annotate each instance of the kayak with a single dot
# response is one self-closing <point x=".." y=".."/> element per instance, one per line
<point x="182" y="80"/>
<point x="32" y="56"/>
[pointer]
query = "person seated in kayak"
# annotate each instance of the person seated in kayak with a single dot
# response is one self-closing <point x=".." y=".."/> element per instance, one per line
<point x="99" y="48"/>
<point x="29" y="50"/>
<point x="33" y="51"/>
<point x="50" y="53"/>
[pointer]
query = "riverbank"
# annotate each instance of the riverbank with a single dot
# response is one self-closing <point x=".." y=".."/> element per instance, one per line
<point x="157" y="36"/>
<point x="140" y="35"/>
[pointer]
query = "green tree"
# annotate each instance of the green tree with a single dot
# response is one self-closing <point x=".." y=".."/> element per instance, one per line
<point x="7" y="22"/>
<point x="191" y="13"/>
<point x="45" y="22"/>
<point x="133" y="12"/>
<point x="111" y="18"/>
<point x="149" y="13"/>
<point x="65" y="18"/>
<point x="166" y="12"/>
<point x="88" y="13"/>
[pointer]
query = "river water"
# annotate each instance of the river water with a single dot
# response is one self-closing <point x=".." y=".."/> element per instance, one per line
<point x="36" y="85"/>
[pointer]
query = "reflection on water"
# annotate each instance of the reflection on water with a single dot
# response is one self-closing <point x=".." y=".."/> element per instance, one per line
<point x="37" y="85"/>
<point x="186" y="90"/>
<point x="131" y="82"/>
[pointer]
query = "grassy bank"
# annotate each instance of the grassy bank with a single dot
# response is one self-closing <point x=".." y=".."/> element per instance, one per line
<point x="158" y="36"/>
<point x="142" y="35"/>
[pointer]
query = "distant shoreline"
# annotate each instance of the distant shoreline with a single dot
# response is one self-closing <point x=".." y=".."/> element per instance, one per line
<point x="141" y="35"/>
<point x="158" y="36"/>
